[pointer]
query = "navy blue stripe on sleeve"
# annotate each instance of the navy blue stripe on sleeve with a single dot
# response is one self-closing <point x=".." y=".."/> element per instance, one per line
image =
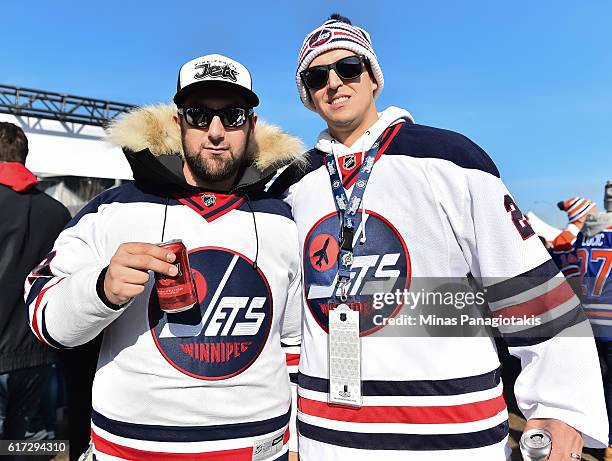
<point x="546" y="331"/>
<point x="523" y="282"/>
<point x="36" y="288"/>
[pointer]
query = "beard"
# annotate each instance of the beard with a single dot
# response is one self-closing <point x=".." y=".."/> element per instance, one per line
<point x="217" y="169"/>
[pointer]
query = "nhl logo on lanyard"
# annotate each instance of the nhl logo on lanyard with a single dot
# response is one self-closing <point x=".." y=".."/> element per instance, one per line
<point x="209" y="199"/>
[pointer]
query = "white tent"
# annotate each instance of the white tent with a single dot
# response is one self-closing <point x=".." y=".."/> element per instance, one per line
<point x="69" y="149"/>
<point x="541" y="227"/>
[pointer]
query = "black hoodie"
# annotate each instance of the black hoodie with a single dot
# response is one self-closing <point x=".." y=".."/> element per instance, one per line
<point x="31" y="222"/>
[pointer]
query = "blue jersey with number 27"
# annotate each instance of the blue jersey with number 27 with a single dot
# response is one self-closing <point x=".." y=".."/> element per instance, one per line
<point x="594" y="255"/>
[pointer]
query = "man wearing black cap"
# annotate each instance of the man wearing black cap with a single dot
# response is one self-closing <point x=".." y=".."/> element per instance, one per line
<point x="230" y="83"/>
<point x="209" y="380"/>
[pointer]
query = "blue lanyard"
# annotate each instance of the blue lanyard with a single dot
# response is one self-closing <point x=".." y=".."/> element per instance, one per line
<point x="347" y="208"/>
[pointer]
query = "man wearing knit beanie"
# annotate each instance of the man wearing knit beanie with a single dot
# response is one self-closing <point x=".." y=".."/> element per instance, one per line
<point x="383" y="205"/>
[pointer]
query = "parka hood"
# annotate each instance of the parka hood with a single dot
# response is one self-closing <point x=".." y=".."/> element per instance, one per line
<point x="151" y="142"/>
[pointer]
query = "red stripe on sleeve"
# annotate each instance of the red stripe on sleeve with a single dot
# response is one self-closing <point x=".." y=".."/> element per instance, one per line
<point x="39" y="299"/>
<point x="539" y="305"/>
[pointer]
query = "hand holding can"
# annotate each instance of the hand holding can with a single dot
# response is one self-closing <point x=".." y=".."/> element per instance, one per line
<point x="176" y="293"/>
<point x="128" y="270"/>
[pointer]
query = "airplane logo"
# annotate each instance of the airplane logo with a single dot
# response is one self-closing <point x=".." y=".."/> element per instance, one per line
<point x="323" y="252"/>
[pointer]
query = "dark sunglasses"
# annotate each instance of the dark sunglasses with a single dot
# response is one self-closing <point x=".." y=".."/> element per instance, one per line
<point x="347" y="68"/>
<point x="201" y="117"/>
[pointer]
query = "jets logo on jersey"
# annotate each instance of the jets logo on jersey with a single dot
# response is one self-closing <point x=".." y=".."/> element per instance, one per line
<point x="381" y="264"/>
<point x="224" y="334"/>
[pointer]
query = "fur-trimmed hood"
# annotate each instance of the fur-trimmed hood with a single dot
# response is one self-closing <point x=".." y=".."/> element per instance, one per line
<point x="152" y="144"/>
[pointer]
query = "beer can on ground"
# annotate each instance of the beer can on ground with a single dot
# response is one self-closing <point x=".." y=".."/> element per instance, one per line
<point x="178" y="293"/>
<point x="535" y="445"/>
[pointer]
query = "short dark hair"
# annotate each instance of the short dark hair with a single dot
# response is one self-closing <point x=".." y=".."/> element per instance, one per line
<point x="13" y="143"/>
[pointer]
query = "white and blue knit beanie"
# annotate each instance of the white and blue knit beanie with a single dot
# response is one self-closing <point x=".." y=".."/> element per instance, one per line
<point x="336" y="33"/>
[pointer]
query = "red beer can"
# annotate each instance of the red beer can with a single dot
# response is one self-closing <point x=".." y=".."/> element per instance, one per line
<point x="178" y="293"/>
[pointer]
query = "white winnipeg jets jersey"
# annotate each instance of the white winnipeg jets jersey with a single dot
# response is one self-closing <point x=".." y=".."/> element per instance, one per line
<point x="434" y="206"/>
<point x="207" y="383"/>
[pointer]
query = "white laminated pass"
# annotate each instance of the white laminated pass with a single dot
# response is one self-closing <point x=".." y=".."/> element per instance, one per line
<point x="344" y="357"/>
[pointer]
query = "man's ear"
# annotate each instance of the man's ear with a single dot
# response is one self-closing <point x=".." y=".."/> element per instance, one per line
<point x="177" y="120"/>
<point x="374" y="82"/>
<point x="253" y="122"/>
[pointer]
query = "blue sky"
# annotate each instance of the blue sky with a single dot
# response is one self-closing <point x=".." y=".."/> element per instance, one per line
<point x="528" y="81"/>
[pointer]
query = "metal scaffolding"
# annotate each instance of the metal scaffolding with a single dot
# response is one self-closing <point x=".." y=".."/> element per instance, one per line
<point x="67" y="108"/>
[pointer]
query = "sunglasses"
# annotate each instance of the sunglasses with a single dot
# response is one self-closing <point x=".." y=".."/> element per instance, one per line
<point x="347" y="68"/>
<point x="201" y="117"/>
